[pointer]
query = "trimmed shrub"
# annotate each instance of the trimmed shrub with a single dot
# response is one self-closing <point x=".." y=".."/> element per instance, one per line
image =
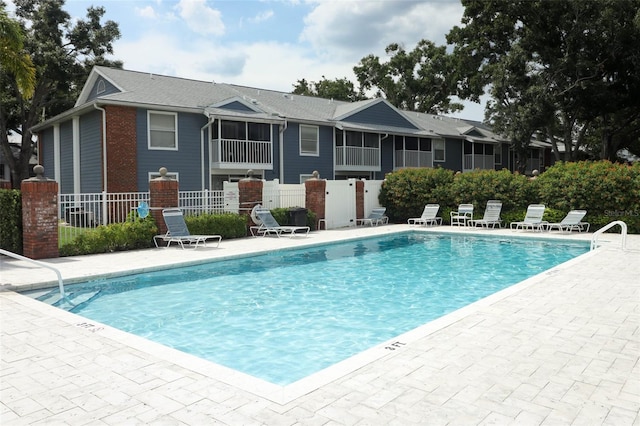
<point x="11" y="220"/>
<point x="405" y="192"/>
<point x="129" y="235"/>
<point x="227" y="225"/>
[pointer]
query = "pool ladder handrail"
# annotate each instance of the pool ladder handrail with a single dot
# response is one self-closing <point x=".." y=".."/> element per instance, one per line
<point x="623" y="232"/>
<point x="36" y="262"/>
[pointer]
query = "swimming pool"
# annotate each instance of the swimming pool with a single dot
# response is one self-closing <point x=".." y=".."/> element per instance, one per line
<point x="285" y="315"/>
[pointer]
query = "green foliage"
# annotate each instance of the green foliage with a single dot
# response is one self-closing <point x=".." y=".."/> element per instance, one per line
<point x="479" y="186"/>
<point x="227" y="225"/>
<point x="340" y="89"/>
<point x="11" y="220"/>
<point x="406" y="191"/>
<point x="608" y="191"/>
<point x="129" y="235"/>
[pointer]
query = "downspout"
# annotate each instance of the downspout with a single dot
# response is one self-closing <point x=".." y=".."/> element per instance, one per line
<point x="281" y="150"/>
<point x="104" y="146"/>
<point x="202" y="162"/>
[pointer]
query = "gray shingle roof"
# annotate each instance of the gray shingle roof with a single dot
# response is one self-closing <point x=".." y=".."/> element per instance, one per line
<point x="165" y="91"/>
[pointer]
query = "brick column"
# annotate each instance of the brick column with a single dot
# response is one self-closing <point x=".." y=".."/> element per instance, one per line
<point x="315" y="196"/>
<point x="359" y="199"/>
<point x="163" y="193"/>
<point x="249" y="195"/>
<point x="39" y="216"/>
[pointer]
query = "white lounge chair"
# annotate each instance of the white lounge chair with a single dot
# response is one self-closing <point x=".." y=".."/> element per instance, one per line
<point x="376" y="217"/>
<point x="462" y="216"/>
<point x="429" y="216"/>
<point x="269" y="225"/>
<point x="177" y="231"/>
<point x="491" y="216"/>
<point x="532" y="219"/>
<point x="571" y="222"/>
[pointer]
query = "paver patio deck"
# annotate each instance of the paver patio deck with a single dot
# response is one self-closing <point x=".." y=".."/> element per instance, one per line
<point x="560" y="348"/>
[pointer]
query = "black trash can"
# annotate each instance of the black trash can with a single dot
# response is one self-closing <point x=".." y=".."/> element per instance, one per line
<point x="298" y="216"/>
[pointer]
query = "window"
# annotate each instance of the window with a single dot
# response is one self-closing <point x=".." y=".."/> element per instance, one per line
<point x="309" y="140"/>
<point x="234" y="130"/>
<point x="101" y="88"/>
<point x="371" y="140"/>
<point x="497" y="155"/>
<point x="305" y="177"/>
<point x="438" y="150"/>
<point x="162" y="130"/>
<point x="259" y="132"/>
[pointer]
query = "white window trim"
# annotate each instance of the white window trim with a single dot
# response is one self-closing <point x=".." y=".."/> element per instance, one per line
<point x="444" y="150"/>
<point x="175" y="133"/>
<point x="309" y="154"/>
<point x="101" y="87"/>
<point x="171" y="175"/>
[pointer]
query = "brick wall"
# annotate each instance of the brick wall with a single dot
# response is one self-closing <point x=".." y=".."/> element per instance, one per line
<point x="359" y="199"/>
<point x="40" y="219"/>
<point x="163" y="193"/>
<point x="249" y="195"/>
<point x="121" y="149"/>
<point x="316" y="196"/>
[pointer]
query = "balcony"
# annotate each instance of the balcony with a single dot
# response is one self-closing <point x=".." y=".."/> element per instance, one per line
<point x="241" y="154"/>
<point x="355" y="158"/>
<point x="478" y="161"/>
<point x="413" y="158"/>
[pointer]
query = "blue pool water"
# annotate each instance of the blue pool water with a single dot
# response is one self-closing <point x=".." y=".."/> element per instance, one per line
<point x="285" y="315"/>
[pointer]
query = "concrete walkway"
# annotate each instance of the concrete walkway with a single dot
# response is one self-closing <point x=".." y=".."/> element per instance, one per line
<point x="559" y="348"/>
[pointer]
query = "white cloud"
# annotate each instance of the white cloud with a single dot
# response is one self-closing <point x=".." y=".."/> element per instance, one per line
<point x="353" y="29"/>
<point x="201" y="18"/>
<point x="146" y="12"/>
<point x="262" y="16"/>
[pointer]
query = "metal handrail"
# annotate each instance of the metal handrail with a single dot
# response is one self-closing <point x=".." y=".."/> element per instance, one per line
<point x="623" y="232"/>
<point x="44" y="265"/>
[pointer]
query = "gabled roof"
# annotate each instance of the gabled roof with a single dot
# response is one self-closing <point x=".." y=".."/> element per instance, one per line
<point x="149" y="90"/>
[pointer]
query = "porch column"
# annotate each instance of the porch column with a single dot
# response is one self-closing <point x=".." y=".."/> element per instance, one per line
<point x="40" y="216"/>
<point x="163" y="193"/>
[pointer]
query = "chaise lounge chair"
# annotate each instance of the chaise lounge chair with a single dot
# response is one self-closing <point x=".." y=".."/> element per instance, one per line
<point x="571" y="222"/>
<point x="269" y="225"/>
<point x="177" y="231"/>
<point x="532" y="219"/>
<point x="429" y="216"/>
<point x="462" y="216"/>
<point x="491" y="215"/>
<point x="376" y="217"/>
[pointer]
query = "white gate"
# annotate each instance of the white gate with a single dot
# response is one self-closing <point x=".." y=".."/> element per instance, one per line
<point x="231" y="197"/>
<point x="371" y="192"/>
<point x="340" y="203"/>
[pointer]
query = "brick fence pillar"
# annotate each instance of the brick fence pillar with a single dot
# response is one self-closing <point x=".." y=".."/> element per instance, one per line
<point x="40" y="216"/>
<point x="163" y="193"/>
<point x="249" y="195"/>
<point x="359" y="199"/>
<point x="315" y="197"/>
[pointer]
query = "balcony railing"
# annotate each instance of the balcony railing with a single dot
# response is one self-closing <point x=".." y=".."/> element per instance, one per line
<point x="413" y="158"/>
<point x="357" y="158"/>
<point x="235" y="153"/>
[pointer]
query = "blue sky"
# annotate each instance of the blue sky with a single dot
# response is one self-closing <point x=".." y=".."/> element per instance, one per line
<point x="269" y="44"/>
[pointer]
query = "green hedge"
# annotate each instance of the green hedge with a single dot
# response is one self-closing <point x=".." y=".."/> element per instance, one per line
<point x="130" y="235"/>
<point x="11" y="220"/>
<point x="227" y="225"/>
<point x="608" y="191"/>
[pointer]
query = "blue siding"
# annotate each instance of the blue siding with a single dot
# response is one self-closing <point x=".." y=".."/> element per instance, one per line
<point x="66" y="157"/>
<point x="275" y="172"/>
<point x="91" y="152"/>
<point x="108" y="89"/>
<point x="296" y="165"/>
<point x="237" y="106"/>
<point x="386" y="157"/>
<point x="452" y="155"/>
<point x="381" y="114"/>
<point x="46" y="148"/>
<point x="186" y="161"/>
